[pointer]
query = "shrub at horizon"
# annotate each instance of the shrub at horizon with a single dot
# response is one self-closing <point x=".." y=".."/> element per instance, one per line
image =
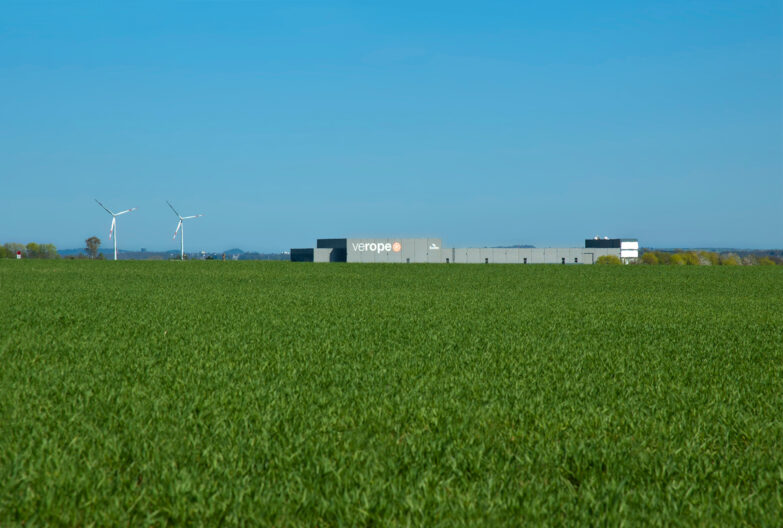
<point x="609" y="260"/>
<point x="677" y="260"/>
<point x="702" y="258"/>
<point x="43" y="251"/>
<point x="690" y="258"/>
<point x="709" y="258"/>
<point x="649" y="258"/>
<point x="31" y="250"/>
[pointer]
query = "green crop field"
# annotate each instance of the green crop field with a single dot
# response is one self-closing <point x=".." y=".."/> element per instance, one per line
<point x="158" y="393"/>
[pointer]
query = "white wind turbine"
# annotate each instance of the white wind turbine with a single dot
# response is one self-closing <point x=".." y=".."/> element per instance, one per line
<point x="113" y="230"/>
<point x="181" y="226"/>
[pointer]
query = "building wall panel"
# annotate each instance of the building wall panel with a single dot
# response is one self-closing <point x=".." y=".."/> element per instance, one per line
<point x="431" y="250"/>
<point x="322" y="254"/>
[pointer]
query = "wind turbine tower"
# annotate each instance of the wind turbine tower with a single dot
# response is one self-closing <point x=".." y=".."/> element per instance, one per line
<point x="182" y="227"/>
<point x="113" y="229"/>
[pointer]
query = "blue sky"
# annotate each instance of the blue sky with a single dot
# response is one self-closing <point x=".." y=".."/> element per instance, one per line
<point x="484" y="123"/>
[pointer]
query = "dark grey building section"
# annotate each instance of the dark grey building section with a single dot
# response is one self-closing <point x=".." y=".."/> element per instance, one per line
<point x="318" y="255"/>
<point x="302" y="255"/>
<point x="334" y="243"/>
<point x="602" y="243"/>
<point x="605" y="243"/>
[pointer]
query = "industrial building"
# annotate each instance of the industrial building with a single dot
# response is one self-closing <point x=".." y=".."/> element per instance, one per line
<point x="431" y="250"/>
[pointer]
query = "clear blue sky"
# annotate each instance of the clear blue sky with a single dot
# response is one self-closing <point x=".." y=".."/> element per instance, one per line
<point x="484" y="123"/>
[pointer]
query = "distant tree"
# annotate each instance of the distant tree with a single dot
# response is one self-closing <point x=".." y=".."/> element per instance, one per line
<point x="729" y="260"/>
<point x="650" y="258"/>
<point x="677" y="259"/>
<point x="708" y="258"/>
<point x="13" y="247"/>
<point x="662" y="256"/>
<point x="609" y="260"/>
<point x="690" y="258"/>
<point x="766" y="261"/>
<point x="4" y="253"/>
<point x="749" y="260"/>
<point x="48" y="251"/>
<point x="93" y="243"/>
<point x="33" y="250"/>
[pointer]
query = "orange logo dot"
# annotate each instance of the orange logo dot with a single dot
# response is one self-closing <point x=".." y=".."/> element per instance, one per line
<point x="396" y="247"/>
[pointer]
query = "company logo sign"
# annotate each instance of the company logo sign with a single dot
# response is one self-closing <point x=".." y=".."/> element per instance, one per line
<point x="376" y="247"/>
<point x="434" y="246"/>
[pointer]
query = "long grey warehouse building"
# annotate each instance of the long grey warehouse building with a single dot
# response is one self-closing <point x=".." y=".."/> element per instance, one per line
<point x="431" y="250"/>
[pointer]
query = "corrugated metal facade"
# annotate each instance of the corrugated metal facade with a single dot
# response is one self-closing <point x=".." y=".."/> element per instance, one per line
<point x="431" y="250"/>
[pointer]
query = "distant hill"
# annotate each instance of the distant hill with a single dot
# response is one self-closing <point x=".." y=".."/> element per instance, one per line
<point x="123" y="254"/>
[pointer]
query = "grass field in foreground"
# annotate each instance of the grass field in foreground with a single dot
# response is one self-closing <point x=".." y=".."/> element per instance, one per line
<point x="433" y="395"/>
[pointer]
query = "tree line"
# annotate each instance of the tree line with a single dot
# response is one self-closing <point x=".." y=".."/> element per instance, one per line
<point x="704" y="258"/>
<point x="695" y="258"/>
<point x="30" y="250"/>
<point x="34" y="250"/>
<point x="653" y="258"/>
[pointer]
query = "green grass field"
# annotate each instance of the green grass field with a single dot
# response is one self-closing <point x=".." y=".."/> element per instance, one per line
<point x="136" y="393"/>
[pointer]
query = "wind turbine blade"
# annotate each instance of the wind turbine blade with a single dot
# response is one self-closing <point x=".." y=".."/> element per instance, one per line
<point x="113" y="223"/>
<point x="125" y="211"/>
<point x="104" y="207"/>
<point x="172" y="208"/>
<point x="194" y="216"/>
<point x="177" y="231"/>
